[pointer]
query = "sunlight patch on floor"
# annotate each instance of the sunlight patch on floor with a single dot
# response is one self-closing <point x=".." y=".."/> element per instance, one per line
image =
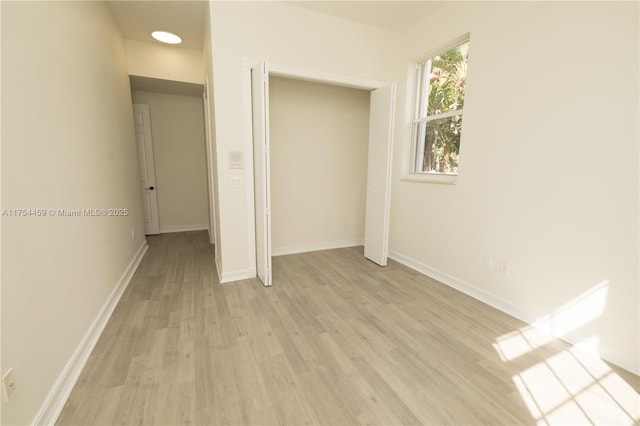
<point x="563" y="390"/>
<point x="567" y="318"/>
<point x="573" y="386"/>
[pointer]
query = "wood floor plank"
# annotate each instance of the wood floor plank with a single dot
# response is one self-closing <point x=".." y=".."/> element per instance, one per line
<point x="336" y="340"/>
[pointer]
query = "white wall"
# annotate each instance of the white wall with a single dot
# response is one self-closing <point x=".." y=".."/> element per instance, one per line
<point x="548" y="176"/>
<point x="177" y="128"/>
<point x="550" y="186"/>
<point x="263" y="31"/>
<point x="67" y="142"/>
<point x="164" y="62"/>
<point x="319" y="145"/>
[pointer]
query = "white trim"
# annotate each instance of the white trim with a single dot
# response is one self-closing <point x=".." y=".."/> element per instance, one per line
<point x="248" y="164"/>
<point x="211" y="226"/>
<point x="443" y="178"/>
<point x="441" y="48"/>
<point x="252" y="272"/>
<point x="227" y="277"/>
<point x="61" y="390"/>
<point x="387" y="204"/>
<point x="281" y="251"/>
<point x="218" y="266"/>
<point x="409" y="157"/>
<point x="324" y="77"/>
<point x="430" y="118"/>
<point x="626" y="361"/>
<point x="458" y="284"/>
<point x="183" y="228"/>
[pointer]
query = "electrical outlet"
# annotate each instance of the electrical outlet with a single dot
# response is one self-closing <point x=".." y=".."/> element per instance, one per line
<point x="504" y="266"/>
<point x="9" y="383"/>
<point x="236" y="182"/>
<point x="487" y="262"/>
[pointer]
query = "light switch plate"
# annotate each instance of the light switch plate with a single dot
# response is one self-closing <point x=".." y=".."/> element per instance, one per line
<point x="236" y="160"/>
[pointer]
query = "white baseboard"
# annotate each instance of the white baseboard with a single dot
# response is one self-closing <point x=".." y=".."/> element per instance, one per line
<point x="604" y="351"/>
<point x="245" y="274"/>
<point x="61" y="390"/>
<point x="460" y="285"/>
<point x="251" y="272"/>
<point x="281" y="251"/>
<point x="625" y="361"/>
<point x="183" y="228"/>
<point x="227" y="277"/>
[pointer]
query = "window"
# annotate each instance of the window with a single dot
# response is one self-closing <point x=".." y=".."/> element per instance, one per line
<point x="437" y="125"/>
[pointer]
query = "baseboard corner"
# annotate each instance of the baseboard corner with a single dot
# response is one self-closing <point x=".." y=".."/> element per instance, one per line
<point x="283" y="251"/>
<point x="183" y="228"/>
<point x="230" y="276"/>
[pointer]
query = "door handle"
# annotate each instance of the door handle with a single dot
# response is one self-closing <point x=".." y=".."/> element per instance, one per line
<point x="151" y="188"/>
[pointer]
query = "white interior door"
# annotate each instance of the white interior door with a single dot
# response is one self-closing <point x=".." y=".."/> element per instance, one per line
<point x="261" y="169"/>
<point x="376" y="232"/>
<point x="147" y="169"/>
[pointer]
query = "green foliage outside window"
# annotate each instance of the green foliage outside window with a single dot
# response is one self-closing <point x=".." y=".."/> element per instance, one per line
<point x="447" y="73"/>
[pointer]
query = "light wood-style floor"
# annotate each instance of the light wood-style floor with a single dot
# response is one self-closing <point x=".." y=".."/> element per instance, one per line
<point x="337" y="340"/>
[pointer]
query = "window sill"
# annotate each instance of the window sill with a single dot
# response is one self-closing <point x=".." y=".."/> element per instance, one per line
<point x="444" y="179"/>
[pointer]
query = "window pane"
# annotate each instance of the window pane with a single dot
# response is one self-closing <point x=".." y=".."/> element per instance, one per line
<point x="447" y="80"/>
<point x="438" y="145"/>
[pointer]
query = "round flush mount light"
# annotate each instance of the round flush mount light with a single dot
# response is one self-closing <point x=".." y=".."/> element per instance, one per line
<point x="166" y="37"/>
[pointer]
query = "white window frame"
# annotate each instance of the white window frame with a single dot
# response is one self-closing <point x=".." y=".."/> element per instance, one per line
<point x="417" y="149"/>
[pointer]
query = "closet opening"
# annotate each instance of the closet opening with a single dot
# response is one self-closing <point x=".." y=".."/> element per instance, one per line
<point x="322" y="163"/>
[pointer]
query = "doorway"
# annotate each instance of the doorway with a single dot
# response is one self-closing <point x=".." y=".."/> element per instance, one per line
<point x="382" y="100"/>
<point x="175" y="153"/>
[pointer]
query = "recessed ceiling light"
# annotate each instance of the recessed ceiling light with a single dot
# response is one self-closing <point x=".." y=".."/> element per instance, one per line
<point x="166" y="37"/>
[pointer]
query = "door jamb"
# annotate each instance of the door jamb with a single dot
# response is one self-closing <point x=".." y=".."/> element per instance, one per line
<point x="209" y="150"/>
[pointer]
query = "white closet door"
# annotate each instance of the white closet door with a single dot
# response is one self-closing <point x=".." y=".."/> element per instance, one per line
<point x="261" y="171"/>
<point x="376" y="232"/>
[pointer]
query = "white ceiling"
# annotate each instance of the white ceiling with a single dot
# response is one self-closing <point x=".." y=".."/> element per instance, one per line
<point x="389" y="15"/>
<point x="137" y="19"/>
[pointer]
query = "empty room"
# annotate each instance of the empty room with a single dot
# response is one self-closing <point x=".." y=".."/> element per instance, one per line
<point x="372" y="212"/>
